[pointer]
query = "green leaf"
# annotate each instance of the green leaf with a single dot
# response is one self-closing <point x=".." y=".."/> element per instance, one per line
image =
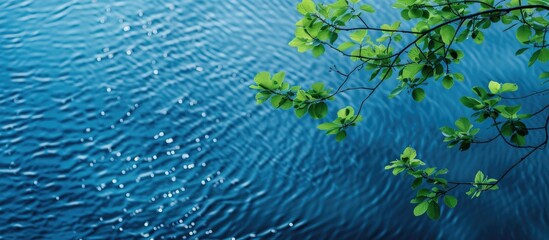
<point x="508" y="87"/>
<point x="318" y="110"/>
<point x="417" y="182"/>
<point x="479" y="177"/>
<point x="346" y="112"/>
<point x="276" y="101"/>
<point x="507" y="129"/>
<point x="346" y="45"/>
<point x="433" y="211"/>
<point x="286" y="103"/>
<point x="447" y="82"/>
<point x="463" y="124"/>
<point x="327" y="126"/>
<point x="520" y="51"/>
<point x="470" y="102"/>
<point x="418" y="94"/>
<point x="367" y="8"/>
<point x="421" y="208"/>
<point x="447" y="33"/>
<point x="308" y="6"/>
<point x="479" y="37"/>
<point x="544" y="55"/>
<point x="358" y="36"/>
<point x="534" y="57"/>
<point x="262" y="77"/>
<point x="409" y="153"/>
<point x="318" y="50"/>
<point x="512" y="110"/>
<point x="278" y="78"/>
<point x="459" y="77"/>
<point x="450" y="201"/>
<point x="318" y="86"/>
<point x="341" y="135"/>
<point x="447" y="131"/>
<point x="261" y="97"/>
<point x="518" y="139"/>
<point x="411" y="70"/>
<point x="494" y="87"/>
<point x="523" y="33"/>
<point x="300" y="112"/>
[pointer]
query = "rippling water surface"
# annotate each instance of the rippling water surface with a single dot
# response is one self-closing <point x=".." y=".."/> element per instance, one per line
<point x="133" y="119"/>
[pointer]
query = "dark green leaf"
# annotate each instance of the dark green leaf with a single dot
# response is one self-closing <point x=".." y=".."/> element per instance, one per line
<point x="447" y="82"/>
<point x="450" y="201"/>
<point x="341" y="135"/>
<point x="523" y="33"/>
<point x="433" y="211"/>
<point x="418" y="94"/>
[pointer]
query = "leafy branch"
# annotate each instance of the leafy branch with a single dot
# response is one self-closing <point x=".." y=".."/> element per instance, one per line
<point x="425" y="53"/>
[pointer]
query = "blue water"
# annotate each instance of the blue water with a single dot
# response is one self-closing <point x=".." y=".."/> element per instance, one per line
<point x="133" y="119"/>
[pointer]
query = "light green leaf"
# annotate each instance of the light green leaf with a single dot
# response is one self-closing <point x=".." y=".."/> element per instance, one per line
<point x="358" y="35"/>
<point x="278" y="78"/>
<point x="327" y="126"/>
<point x="508" y="87"/>
<point x="409" y="153"/>
<point x="262" y="77"/>
<point x="276" y="100"/>
<point x="479" y="38"/>
<point x="300" y="112"/>
<point x="367" y="8"/>
<point x="494" y="87"/>
<point x="318" y="86"/>
<point x="421" y="208"/>
<point x="411" y="70"/>
<point x="261" y="97"/>
<point x="308" y="6"/>
<point x="447" y="33"/>
<point x="463" y="124"/>
<point x="346" y="112"/>
<point x="346" y="45"/>
<point x="479" y="177"/>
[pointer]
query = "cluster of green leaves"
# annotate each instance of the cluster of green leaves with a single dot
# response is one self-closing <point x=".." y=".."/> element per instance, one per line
<point x="439" y="24"/>
<point x="463" y="135"/>
<point x="273" y="88"/>
<point x="427" y="199"/>
<point x="426" y="52"/>
<point x="313" y="102"/>
<point x="482" y="183"/>
<point x="487" y="105"/>
<point x="284" y="96"/>
<point x="345" y="117"/>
